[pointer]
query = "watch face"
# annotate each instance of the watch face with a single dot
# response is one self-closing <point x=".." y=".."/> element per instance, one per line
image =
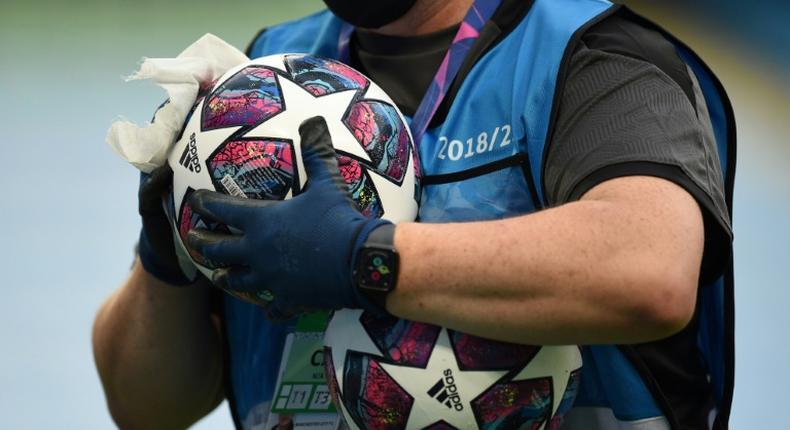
<point x="377" y="269"/>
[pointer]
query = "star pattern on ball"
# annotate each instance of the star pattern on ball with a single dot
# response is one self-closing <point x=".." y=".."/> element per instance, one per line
<point x="456" y="386"/>
<point x="300" y="105"/>
<point x="545" y="362"/>
<point x="354" y="335"/>
<point x="333" y="108"/>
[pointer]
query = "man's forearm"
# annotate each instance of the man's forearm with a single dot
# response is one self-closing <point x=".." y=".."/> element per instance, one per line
<point x="158" y="353"/>
<point x="618" y="267"/>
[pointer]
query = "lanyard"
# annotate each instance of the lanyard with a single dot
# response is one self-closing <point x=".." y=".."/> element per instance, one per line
<point x="469" y="31"/>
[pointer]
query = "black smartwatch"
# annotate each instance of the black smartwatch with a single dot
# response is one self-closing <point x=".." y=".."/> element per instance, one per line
<point x="376" y="269"/>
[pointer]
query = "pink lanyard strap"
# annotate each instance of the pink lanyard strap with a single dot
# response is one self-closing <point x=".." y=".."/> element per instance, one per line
<point x="468" y="33"/>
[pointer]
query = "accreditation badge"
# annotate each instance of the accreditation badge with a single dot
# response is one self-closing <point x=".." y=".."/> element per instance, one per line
<point x="301" y="397"/>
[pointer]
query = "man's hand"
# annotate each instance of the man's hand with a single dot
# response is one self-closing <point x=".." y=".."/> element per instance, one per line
<point x="293" y="254"/>
<point x="156" y="247"/>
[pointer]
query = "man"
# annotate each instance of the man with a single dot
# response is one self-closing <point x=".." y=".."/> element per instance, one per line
<point x="600" y="219"/>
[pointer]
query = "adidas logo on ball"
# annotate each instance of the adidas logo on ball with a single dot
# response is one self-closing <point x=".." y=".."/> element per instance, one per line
<point x="189" y="158"/>
<point x="446" y="392"/>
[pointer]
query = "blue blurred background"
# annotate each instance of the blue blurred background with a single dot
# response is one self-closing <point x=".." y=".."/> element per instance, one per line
<point x="69" y="207"/>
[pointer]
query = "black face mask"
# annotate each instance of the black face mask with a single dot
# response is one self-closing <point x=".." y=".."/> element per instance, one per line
<point x="369" y="13"/>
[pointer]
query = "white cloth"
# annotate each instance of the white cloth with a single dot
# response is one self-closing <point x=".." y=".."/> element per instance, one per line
<point x="204" y="61"/>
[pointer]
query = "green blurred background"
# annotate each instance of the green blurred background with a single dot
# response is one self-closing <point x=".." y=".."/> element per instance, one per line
<point x="68" y="206"/>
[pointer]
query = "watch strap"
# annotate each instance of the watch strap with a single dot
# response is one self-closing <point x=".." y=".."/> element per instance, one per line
<point x="382" y="236"/>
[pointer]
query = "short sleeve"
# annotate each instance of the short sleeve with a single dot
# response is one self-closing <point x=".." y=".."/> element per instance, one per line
<point x="624" y="116"/>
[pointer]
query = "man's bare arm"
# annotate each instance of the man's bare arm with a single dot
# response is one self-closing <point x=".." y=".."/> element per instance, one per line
<point x="619" y="266"/>
<point x="158" y="353"/>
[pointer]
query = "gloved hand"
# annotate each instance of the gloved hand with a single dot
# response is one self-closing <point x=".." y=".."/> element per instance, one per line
<point x="294" y="254"/>
<point x="156" y="248"/>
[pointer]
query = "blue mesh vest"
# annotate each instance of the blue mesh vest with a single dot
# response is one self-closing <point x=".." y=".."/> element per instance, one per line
<point x="483" y="162"/>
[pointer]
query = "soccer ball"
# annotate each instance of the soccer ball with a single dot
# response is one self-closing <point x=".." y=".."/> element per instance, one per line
<point x="386" y="372"/>
<point x="241" y="138"/>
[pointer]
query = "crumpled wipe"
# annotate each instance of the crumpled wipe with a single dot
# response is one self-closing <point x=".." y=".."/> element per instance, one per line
<point x="204" y="61"/>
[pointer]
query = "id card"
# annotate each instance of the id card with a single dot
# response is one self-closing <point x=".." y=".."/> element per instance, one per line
<point x="302" y="387"/>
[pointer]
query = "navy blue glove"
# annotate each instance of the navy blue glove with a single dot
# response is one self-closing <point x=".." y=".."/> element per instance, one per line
<point x="295" y="254"/>
<point x="156" y="248"/>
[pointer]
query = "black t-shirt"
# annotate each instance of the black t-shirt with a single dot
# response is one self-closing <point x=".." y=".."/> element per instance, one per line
<point x="629" y="106"/>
